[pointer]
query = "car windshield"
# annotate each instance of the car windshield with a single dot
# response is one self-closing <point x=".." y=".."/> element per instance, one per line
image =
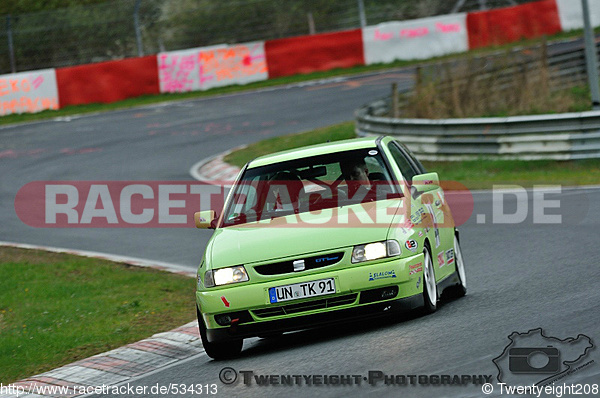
<point x="309" y="184"/>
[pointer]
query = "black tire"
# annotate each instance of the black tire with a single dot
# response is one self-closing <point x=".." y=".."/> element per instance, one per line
<point x="459" y="289"/>
<point x="218" y="350"/>
<point x="430" y="294"/>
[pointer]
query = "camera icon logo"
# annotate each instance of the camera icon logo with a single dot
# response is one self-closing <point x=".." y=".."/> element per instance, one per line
<point x="534" y="360"/>
<point x="533" y="357"/>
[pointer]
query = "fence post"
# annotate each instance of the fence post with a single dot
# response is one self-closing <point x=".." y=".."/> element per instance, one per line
<point x="418" y="79"/>
<point x="11" y="48"/>
<point x="311" y="23"/>
<point x="136" y="22"/>
<point x="361" y="13"/>
<point x="457" y="6"/>
<point x="544" y="75"/>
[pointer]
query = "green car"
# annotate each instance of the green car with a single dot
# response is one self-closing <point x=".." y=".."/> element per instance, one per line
<point x="324" y="234"/>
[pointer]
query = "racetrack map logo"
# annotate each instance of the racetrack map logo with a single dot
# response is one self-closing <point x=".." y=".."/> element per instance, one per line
<point x="532" y="358"/>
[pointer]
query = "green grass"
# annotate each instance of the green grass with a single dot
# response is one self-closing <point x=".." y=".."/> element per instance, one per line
<point x="152" y="99"/>
<point x="58" y="308"/>
<point x="474" y="174"/>
<point x="332" y="133"/>
<point x="484" y="173"/>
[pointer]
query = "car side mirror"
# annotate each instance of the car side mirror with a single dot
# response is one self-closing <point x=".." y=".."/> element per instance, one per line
<point x="205" y="219"/>
<point x="426" y="182"/>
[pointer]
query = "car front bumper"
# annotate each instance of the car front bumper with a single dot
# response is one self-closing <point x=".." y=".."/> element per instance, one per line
<point x="368" y="289"/>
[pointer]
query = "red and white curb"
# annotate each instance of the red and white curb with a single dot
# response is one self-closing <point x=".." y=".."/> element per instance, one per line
<point x="215" y="168"/>
<point x="119" y="365"/>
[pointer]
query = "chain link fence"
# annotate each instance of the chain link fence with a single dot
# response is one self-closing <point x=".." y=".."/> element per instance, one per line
<point x="128" y="28"/>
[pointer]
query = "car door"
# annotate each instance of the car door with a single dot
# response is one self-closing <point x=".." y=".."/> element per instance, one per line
<point x="428" y="211"/>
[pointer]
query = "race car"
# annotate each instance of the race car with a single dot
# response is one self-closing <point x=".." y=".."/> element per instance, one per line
<point x="323" y="234"/>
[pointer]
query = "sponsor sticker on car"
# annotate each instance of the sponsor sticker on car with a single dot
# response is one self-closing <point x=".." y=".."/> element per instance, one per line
<point x="449" y="256"/>
<point x="415" y="268"/>
<point x="411" y="245"/>
<point x="440" y="258"/>
<point x="382" y="275"/>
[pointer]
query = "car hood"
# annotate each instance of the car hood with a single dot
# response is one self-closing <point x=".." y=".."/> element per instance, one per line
<point x="294" y="235"/>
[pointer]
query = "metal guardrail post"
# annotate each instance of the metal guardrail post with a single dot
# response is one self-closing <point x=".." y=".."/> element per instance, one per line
<point x="395" y="106"/>
<point x="591" y="56"/>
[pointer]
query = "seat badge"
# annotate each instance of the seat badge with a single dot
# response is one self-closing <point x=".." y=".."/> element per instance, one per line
<point x="298" y="265"/>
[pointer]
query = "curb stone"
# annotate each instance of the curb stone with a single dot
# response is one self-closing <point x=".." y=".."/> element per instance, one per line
<point x="215" y="168"/>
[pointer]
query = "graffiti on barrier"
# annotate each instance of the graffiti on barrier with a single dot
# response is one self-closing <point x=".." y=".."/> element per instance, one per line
<point x="28" y="92"/>
<point x="207" y="67"/>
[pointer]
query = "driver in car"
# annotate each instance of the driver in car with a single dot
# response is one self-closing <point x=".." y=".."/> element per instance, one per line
<point x="356" y="175"/>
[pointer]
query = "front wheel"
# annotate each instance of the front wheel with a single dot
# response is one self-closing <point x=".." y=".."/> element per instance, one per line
<point x="429" y="284"/>
<point x="221" y="349"/>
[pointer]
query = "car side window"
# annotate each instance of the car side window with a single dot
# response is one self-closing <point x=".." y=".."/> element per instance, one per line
<point x="408" y="154"/>
<point x="404" y="164"/>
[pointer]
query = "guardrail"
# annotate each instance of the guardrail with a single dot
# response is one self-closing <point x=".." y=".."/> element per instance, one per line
<point x="566" y="136"/>
<point x="555" y="136"/>
<point x="564" y="65"/>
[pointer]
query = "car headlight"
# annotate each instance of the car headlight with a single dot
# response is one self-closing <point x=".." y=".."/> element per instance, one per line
<point x="225" y="276"/>
<point x="375" y="250"/>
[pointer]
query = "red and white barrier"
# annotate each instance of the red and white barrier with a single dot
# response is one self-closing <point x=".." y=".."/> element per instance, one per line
<point x="416" y="39"/>
<point x="28" y="92"/>
<point x="507" y="25"/>
<point x="106" y="82"/>
<point x="207" y="67"/>
<point x="571" y="14"/>
<point x="306" y="54"/>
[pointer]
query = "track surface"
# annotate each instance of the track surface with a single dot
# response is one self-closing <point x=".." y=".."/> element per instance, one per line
<point x="521" y="276"/>
<point x="161" y="143"/>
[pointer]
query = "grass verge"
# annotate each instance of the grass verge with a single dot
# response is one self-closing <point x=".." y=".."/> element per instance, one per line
<point x="58" y="308"/>
<point x="332" y="133"/>
<point x="474" y="174"/>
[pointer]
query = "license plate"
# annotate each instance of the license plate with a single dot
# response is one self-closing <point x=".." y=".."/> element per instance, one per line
<point x="302" y="290"/>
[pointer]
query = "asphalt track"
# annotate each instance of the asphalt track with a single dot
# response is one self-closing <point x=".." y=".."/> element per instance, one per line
<point x="161" y="143"/>
<point x="521" y="276"/>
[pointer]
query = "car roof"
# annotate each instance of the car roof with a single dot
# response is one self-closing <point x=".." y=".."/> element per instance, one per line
<point x="315" y="150"/>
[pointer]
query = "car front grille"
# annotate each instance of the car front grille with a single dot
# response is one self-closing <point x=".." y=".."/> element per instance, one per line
<point x="285" y="267"/>
<point x="306" y="306"/>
